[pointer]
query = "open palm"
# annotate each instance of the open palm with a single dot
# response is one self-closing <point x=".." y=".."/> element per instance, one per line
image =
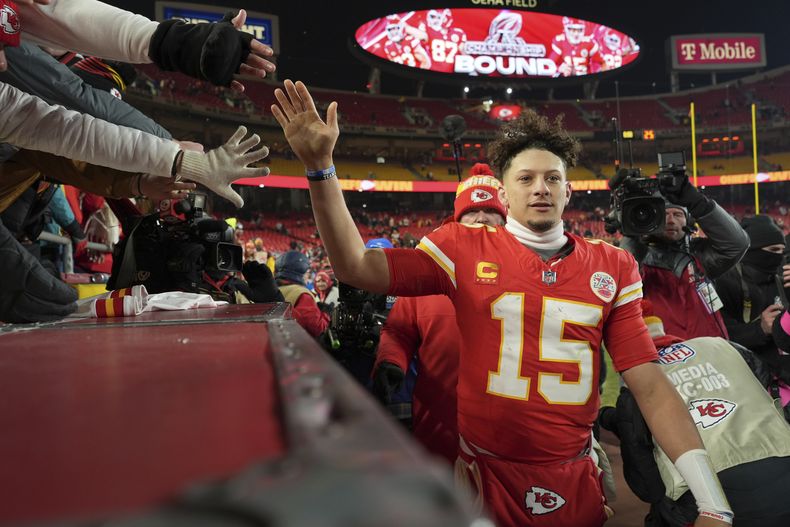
<point x="311" y="139"/>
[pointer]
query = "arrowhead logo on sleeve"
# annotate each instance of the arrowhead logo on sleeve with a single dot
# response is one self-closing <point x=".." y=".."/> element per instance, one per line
<point x="543" y="501"/>
<point x="710" y="412"/>
<point x="10" y="25"/>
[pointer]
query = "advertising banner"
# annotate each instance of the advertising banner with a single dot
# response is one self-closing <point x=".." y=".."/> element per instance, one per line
<point x="717" y="52"/>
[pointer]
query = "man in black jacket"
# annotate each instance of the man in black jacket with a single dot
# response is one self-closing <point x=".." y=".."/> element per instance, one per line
<point x="752" y="293"/>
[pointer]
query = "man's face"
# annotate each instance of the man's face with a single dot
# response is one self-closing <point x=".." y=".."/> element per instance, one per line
<point x="537" y="189"/>
<point x="435" y="19"/>
<point x="675" y="224"/>
<point x="490" y="217"/>
<point x="320" y="283"/>
<point x="394" y="32"/>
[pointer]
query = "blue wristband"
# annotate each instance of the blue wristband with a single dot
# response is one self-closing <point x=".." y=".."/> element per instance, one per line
<point x="321" y="175"/>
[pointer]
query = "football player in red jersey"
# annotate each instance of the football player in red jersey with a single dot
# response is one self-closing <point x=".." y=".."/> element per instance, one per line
<point x="613" y="46"/>
<point x="424" y="328"/>
<point x="443" y="41"/>
<point x="403" y="48"/>
<point x="572" y="50"/>
<point x="533" y="305"/>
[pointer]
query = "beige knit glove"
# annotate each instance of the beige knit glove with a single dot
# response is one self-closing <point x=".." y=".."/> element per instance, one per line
<point x="218" y="168"/>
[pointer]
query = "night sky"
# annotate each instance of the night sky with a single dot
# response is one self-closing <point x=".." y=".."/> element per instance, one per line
<point x="314" y="39"/>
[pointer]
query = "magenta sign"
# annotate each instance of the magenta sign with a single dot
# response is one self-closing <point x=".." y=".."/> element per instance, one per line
<point x="496" y="43"/>
<point x="718" y="51"/>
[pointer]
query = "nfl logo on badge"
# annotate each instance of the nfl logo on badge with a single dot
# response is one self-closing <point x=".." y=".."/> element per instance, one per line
<point x="603" y="286"/>
<point x="549" y="277"/>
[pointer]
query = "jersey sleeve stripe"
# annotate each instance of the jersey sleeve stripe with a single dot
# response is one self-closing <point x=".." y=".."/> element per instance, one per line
<point x="630" y="296"/>
<point x="441" y="259"/>
<point x="627" y="289"/>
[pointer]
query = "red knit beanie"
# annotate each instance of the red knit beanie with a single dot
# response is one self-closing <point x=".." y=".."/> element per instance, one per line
<point x="479" y="191"/>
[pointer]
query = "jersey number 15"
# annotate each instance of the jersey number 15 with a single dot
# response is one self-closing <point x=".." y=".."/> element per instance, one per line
<point x="552" y="347"/>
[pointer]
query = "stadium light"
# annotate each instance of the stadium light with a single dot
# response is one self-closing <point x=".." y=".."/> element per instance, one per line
<point x="509" y="90"/>
<point x="466" y="89"/>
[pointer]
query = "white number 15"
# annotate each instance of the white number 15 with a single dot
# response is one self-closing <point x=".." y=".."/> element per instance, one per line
<point x="552" y="347"/>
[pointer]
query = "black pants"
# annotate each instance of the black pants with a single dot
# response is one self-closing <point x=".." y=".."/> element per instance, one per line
<point x="757" y="492"/>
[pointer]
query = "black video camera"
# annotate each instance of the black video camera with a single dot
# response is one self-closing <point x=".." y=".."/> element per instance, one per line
<point x="638" y="206"/>
<point x="187" y="222"/>
<point x="170" y="249"/>
<point x="355" y="329"/>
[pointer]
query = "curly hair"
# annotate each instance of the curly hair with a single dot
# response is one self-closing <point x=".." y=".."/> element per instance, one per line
<point x="531" y="130"/>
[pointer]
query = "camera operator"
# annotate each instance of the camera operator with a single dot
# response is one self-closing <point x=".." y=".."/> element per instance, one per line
<point x="677" y="271"/>
<point x="355" y="329"/>
<point x="754" y="295"/>
<point x="291" y="268"/>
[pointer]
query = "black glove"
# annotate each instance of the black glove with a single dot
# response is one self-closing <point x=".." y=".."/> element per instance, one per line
<point x="264" y="288"/>
<point x="206" y="51"/>
<point x="685" y="194"/>
<point x="326" y="308"/>
<point x="29" y="293"/>
<point x="387" y="379"/>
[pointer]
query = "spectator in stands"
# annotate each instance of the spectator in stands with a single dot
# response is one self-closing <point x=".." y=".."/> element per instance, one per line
<point x="677" y="271"/>
<point x="424" y="329"/>
<point x="326" y="289"/>
<point x="291" y="272"/>
<point x="249" y="250"/>
<point x="748" y="440"/>
<point x="533" y="304"/>
<point x="752" y="293"/>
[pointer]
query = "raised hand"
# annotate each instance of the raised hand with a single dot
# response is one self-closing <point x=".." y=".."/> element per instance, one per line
<point x="159" y="188"/>
<point x="311" y="139"/>
<point x="255" y="65"/>
<point x="220" y="167"/>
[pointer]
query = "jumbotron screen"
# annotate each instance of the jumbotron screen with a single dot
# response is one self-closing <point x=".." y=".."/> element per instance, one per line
<point x="496" y="43"/>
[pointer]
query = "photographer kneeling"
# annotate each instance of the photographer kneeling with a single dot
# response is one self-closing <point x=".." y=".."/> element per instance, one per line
<point x="677" y="270"/>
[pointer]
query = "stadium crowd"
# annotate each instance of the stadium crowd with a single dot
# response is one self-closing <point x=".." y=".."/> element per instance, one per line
<point x="503" y="333"/>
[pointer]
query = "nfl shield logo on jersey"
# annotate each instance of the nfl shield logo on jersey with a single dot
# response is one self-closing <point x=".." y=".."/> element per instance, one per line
<point x="543" y="501"/>
<point x="549" y="277"/>
<point x="603" y="286"/>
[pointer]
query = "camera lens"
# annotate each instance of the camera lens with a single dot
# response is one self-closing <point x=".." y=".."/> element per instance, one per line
<point x="643" y="215"/>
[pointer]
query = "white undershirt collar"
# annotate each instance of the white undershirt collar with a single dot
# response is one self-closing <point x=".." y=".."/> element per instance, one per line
<point x="550" y="240"/>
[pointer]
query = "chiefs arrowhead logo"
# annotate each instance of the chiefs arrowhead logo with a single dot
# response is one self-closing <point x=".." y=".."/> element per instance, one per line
<point x="543" y="501"/>
<point x="9" y="20"/>
<point x="479" y="195"/>
<point x="710" y="412"/>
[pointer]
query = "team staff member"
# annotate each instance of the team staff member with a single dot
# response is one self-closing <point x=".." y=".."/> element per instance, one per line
<point x="531" y="334"/>
<point x="748" y="439"/>
<point x="424" y="328"/>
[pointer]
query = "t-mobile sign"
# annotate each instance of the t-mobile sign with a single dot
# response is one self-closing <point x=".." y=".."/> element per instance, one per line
<point x="732" y="51"/>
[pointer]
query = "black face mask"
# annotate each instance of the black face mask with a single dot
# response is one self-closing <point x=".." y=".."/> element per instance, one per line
<point x="763" y="261"/>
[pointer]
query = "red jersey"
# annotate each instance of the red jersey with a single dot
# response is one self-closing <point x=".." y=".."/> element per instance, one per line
<point x="443" y="46"/>
<point x="407" y="51"/>
<point x="574" y="59"/>
<point x="425" y="327"/>
<point x="531" y="333"/>
<point x="678" y="304"/>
